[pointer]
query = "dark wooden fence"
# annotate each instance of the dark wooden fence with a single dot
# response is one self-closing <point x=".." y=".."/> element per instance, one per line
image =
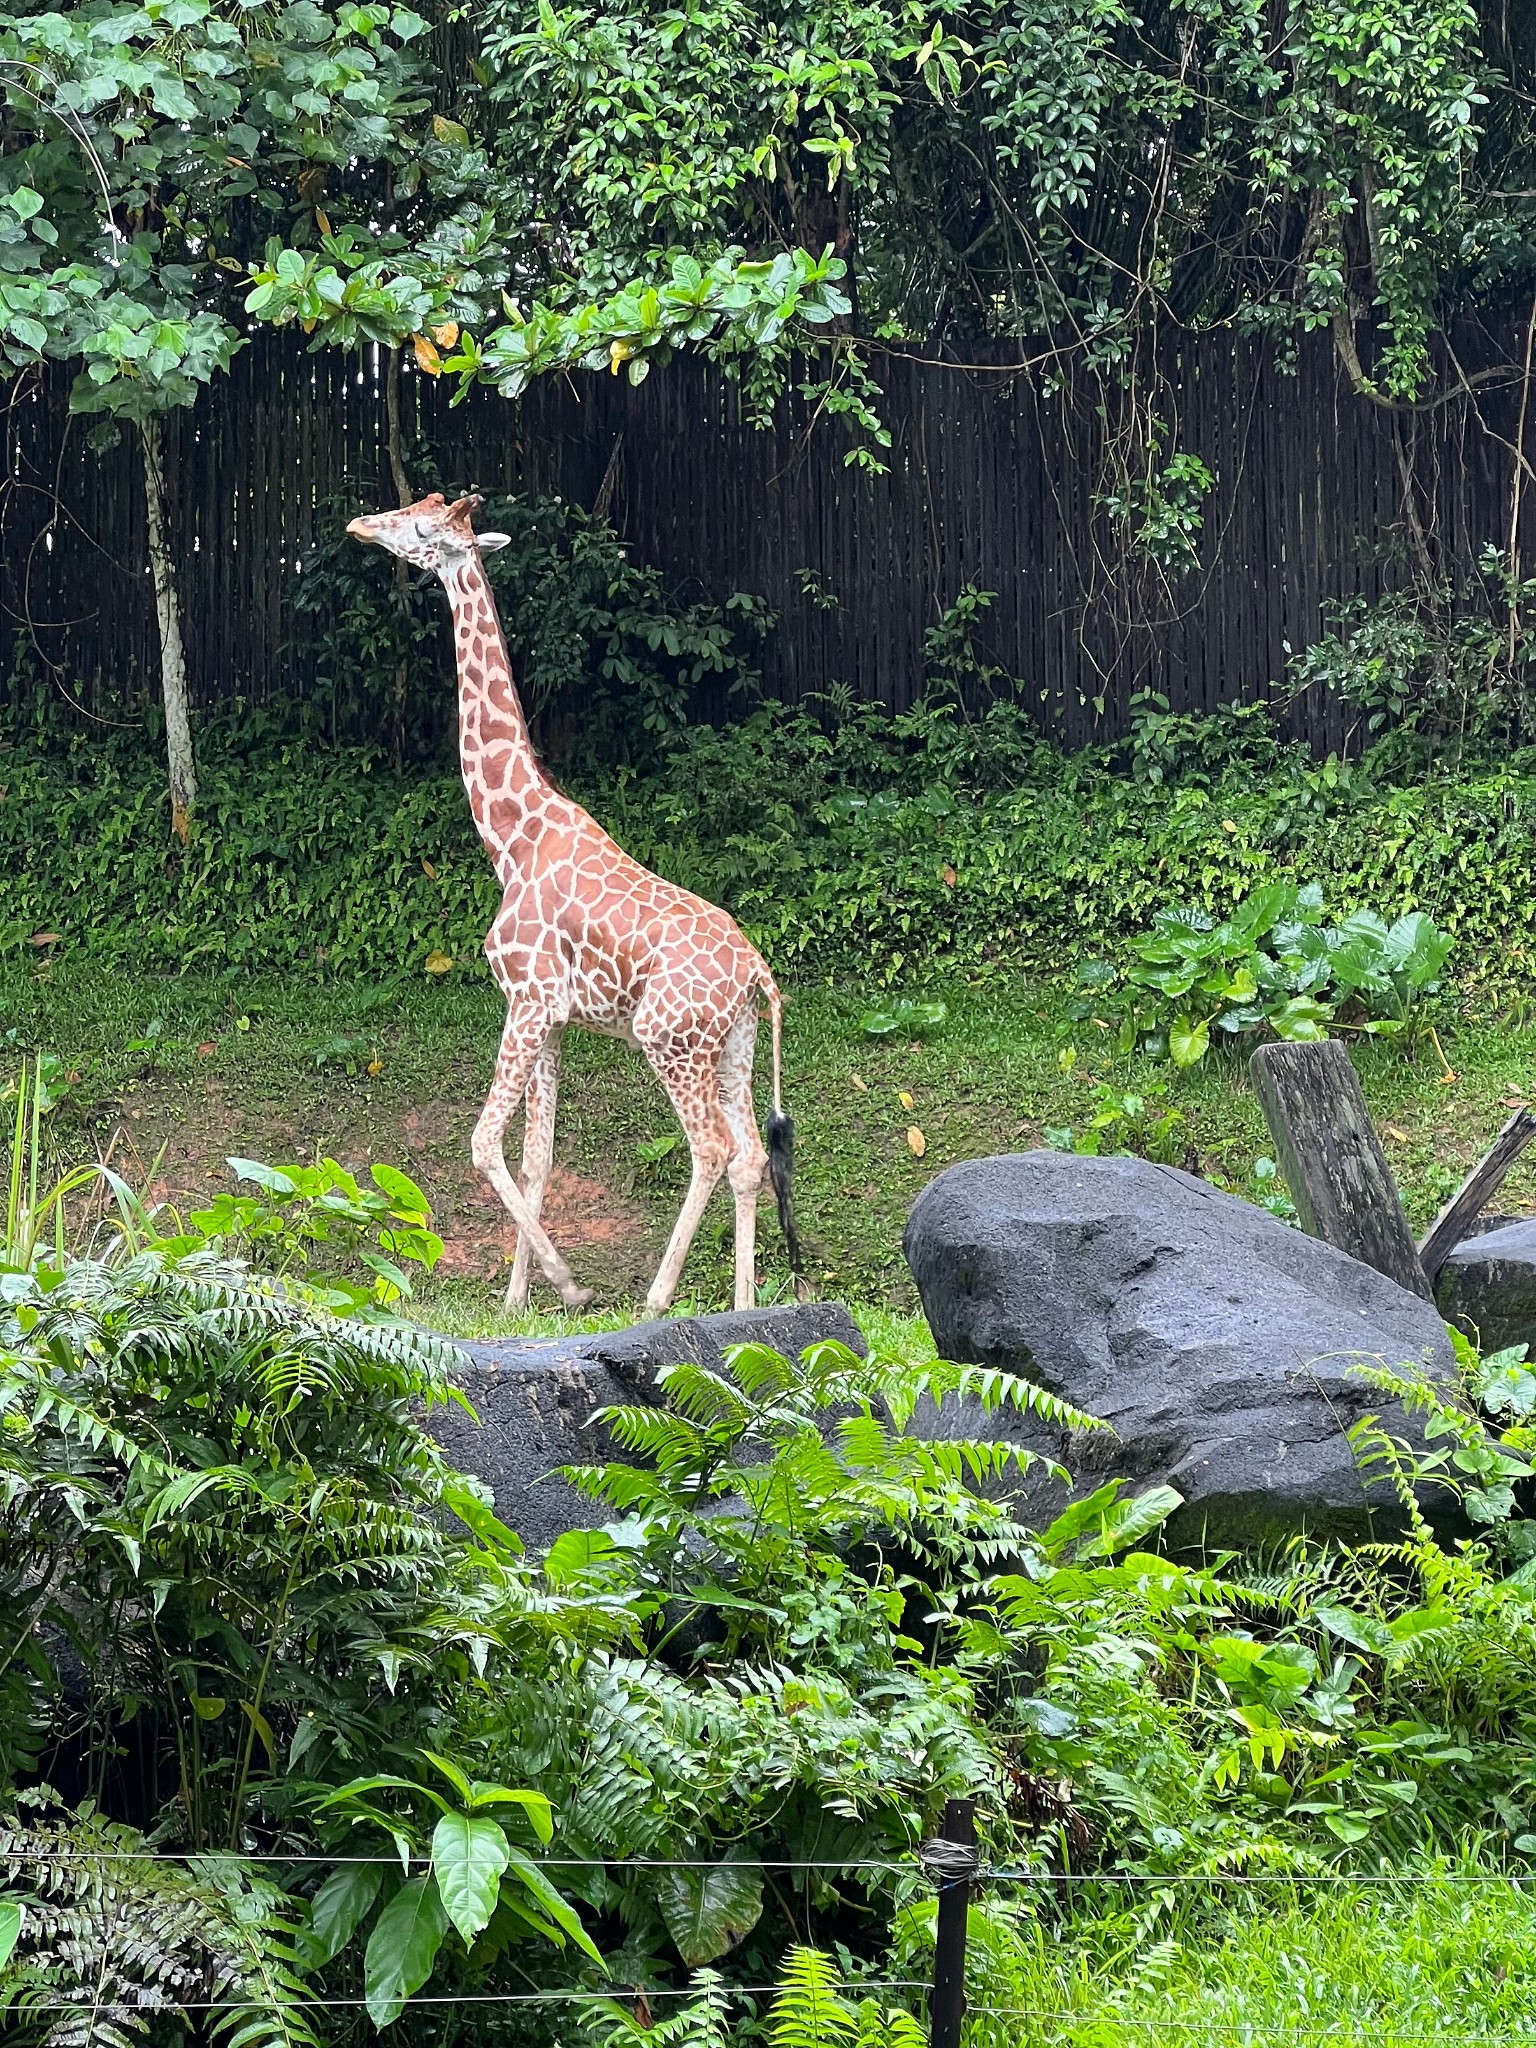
<point x="1319" y="495"/>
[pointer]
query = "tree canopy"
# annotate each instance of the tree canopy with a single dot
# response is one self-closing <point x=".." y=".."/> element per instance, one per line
<point x="524" y="185"/>
<point x="521" y="186"/>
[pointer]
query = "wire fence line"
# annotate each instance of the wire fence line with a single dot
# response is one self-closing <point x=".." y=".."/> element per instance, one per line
<point x="1352" y="2029"/>
<point x="979" y="1874"/>
<point x="621" y="1994"/>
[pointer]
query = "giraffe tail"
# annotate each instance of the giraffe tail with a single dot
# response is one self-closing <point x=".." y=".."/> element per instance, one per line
<point x="781" y="1137"/>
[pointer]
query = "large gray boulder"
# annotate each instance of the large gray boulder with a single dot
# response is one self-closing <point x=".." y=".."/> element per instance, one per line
<point x="1216" y="1340"/>
<point x="534" y="1399"/>
<point x="1487" y="1287"/>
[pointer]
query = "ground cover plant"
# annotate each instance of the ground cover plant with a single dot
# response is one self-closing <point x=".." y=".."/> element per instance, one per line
<point x="881" y="848"/>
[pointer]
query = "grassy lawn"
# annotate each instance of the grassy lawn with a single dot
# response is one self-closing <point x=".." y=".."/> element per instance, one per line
<point x="1420" y="1960"/>
<point x="175" y="1074"/>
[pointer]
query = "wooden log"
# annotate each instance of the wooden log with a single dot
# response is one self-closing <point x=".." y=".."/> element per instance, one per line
<point x="1466" y="1205"/>
<point x="1332" y="1159"/>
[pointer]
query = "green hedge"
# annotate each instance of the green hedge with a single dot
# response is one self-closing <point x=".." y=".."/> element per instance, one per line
<point x="873" y="852"/>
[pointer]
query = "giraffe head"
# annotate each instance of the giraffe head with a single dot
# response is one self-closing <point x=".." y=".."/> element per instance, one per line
<point x="429" y="534"/>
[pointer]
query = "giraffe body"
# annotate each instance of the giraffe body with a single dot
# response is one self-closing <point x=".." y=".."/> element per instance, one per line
<point x="585" y="935"/>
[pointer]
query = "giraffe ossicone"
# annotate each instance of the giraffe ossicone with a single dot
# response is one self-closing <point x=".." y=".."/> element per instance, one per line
<point x="587" y="936"/>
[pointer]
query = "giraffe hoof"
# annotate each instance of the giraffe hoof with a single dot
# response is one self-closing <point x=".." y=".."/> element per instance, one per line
<point x="577" y="1297"/>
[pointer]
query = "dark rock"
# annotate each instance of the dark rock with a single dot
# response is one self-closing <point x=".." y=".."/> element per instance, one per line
<point x="1487" y="1287"/>
<point x="535" y="1396"/>
<point x="1215" y="1339"/>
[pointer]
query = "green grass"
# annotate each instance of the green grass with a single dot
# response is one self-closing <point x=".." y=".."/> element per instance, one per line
<point x="279" y="1070"/>
<point x="1438" y="1960"/>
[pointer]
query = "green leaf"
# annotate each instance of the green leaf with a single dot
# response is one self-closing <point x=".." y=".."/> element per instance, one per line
<point x="1125" y="1522"/>
<point x="491" y="1534"/>
<point x="272" y="1178"/>
<point x="1360" y="1631"/>
<point x="10" y="1928"/>
<point x="402" y="1191"/>
<point x="402" y="1949"/>
<point x="1303" y="1020"/>
<point x="554" y="1905"/>
<point x="468" y="1857"/>
<point x="710" y="1909"/>
<point x="339" y="1908"/>
<point x="1188" y="1043"/>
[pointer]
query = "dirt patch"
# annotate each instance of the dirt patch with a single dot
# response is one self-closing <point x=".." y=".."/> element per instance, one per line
<point x="175" y="1144"/>
<point x="582" y="1216"/>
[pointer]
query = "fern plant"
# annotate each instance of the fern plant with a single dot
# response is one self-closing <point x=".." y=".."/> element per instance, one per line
<point x="812" y="2010"/>
<point x="110" y="1939"/>
<point x="702" y="2020"/>
<point x="221" y="1511"/>
<point x="762" y="1478"/>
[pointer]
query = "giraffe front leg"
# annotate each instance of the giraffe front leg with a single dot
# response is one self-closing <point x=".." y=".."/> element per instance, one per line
<point x="538" y="1156"/>
<point x="522" y="1039"/>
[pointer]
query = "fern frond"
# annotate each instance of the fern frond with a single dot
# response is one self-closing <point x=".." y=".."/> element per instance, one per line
<point x="809" y="2010"/>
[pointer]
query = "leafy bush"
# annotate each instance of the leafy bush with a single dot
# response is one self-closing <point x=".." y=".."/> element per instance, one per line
<point x="1272" y="964"/>
<point x="875" y="848"/>
<point x="301" y="1215"/>
<point x="1143" y="1125"/>
<point x="608" y="661"/>
<point x="1430" y="670"/>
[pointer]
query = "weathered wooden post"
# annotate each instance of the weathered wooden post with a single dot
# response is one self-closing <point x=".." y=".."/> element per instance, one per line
<point x="1338" y="1174"/>
<point x="1332" y="1160"/>
<point x="1465" y="1206"/>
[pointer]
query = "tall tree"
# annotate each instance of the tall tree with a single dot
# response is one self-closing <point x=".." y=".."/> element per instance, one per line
<point x="149" y="153"/>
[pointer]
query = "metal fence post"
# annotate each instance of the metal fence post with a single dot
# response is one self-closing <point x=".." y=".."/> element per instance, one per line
<point x="952" y="1861"/>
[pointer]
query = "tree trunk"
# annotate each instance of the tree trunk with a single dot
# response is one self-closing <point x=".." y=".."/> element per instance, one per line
<point x="402" y="574"/>
<point x="173" y="654"/>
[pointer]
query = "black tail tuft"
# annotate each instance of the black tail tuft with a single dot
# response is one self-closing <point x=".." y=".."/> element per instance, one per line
<point x="781" y="1165"/>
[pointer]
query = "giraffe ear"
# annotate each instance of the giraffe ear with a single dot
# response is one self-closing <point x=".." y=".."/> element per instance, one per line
<point x="488" y="543"/>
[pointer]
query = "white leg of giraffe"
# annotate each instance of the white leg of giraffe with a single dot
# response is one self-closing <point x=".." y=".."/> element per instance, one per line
<point x="523" y="1037"/>
<point x="692" y="1082"/>
<point x="538" y="1155"/>
<point x="745" y="1171"/>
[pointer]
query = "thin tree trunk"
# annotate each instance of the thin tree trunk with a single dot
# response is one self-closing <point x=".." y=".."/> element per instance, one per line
<point x="402" y="575"/>
<point x="173" y="653"/>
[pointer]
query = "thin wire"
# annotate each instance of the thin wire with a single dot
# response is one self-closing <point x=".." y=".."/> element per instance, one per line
<point x="982" y="1876"/>
<point x="399" y="1862"/>
<point x="1258" y="1877"/>
<point x="624" y="1991"/>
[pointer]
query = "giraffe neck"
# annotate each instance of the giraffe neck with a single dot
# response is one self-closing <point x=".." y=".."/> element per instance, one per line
<point x="501" y="772"/>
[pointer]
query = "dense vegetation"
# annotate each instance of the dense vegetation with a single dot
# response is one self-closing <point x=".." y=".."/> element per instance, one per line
<point x="323" y="1738"/>
<point x="867" y="848"/>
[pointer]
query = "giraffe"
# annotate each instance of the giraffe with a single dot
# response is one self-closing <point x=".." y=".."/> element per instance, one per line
<point x="587" y="936"/>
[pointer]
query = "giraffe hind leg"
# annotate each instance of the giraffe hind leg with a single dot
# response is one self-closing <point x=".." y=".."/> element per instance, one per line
<point x="748" y="1158"/>
<point x="538" y="1155"/>
<point x="692" y="1082"/>
<point x="523" y="1038"/>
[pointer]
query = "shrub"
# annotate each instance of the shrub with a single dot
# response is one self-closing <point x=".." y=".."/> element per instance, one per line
<point x="1273" y="965"/>
<point x="874" y="850"/>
